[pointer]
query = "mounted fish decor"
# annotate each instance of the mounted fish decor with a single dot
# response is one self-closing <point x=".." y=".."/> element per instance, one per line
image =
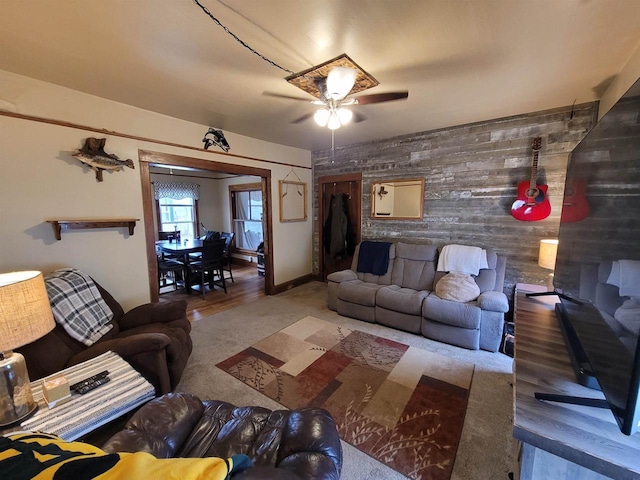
<point x="217" y="138"/>
<point x="93" y="154"/>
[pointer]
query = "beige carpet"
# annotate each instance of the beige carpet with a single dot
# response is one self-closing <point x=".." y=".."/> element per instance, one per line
<point x="486" y="448"/>
<point x="402" y="405"/>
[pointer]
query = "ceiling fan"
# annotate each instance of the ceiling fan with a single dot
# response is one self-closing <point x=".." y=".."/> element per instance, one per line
<point x="332" y="89"/>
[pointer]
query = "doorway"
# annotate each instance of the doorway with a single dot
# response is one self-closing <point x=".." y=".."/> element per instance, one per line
<point x="347" y="190"/>
<point x="148" y="158"/>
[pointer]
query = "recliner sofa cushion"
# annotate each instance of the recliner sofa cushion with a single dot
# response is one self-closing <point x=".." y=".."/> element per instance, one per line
<point x="357" y="291"/>
<point x="404" y="300"/>
<point x="463" y="315"/>
<point x="415" y="266"/>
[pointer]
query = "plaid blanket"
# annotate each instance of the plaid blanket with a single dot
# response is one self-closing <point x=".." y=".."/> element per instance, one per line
<point x="77" y="305"/>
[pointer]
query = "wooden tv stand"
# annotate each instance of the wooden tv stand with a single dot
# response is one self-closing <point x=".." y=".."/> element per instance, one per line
<point x="560" y="441"/>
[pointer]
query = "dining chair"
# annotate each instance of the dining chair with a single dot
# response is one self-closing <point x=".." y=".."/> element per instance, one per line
<point x="210" y="265"/>
<point x="228" y="239"/>
<point x="168" y="268"/>
<point x="169" y="235"/>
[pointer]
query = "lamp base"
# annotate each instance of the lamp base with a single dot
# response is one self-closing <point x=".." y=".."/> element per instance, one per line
<point x="16" y="400"/>
<point x="550" y="286"/>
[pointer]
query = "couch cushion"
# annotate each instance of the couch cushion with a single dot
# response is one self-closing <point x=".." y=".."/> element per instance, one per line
<point x="415" y="266"/>
<point x="342" y="276"/>
<point x="357" y="291"/>
<point x="405" y="300"/>
<point x="463" y="315"/>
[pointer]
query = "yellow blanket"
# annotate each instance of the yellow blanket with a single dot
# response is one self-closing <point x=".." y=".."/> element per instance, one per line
<point x="42" y="456"/>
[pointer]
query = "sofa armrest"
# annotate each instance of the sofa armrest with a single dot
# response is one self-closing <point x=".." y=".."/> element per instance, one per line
<point x="342" y="276"/>
<point x="310" y="445"/>
<point x="493" y="301"/>
<point x="125" y="347"/>
<point x="154" y="313"/>
<point x="145" y="352"/>
<point x="160" y="427"/>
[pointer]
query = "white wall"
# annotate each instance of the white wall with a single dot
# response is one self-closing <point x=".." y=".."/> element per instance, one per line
<point x="623" y="81"/>
<point x="40" y="179"/>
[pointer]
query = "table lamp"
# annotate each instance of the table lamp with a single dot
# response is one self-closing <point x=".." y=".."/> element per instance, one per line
<point x="547" y="258"/>
<point x="25" y="316"/>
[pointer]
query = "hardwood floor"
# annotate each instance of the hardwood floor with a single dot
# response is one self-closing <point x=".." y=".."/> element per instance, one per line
<point x="247" y="287"/>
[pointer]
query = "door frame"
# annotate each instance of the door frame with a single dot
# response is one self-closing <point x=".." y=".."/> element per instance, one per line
<point x="347" y="177"/>
<point x="147" y="158"/>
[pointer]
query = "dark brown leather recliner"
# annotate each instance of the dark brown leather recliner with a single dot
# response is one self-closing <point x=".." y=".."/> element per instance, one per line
<point x="282" y="444"/>
<point x="154" y="338"/>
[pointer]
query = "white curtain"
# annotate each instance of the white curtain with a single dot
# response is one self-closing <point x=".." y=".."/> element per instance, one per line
<point x="248" y="219"/>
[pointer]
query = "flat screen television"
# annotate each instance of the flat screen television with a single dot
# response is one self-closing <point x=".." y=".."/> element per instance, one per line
<point x="600" y="224"/>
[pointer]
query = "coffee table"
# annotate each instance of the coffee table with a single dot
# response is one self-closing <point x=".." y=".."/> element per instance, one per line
<point x="125" y="391"/>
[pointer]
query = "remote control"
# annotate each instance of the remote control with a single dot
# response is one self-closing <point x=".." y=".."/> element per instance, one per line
<point x="89" y="380"/>
<point x="92" y="385"/>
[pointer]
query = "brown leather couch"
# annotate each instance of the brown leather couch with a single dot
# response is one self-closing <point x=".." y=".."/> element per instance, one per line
<point x="154" y="338"/>
<point x="282" y="444"/>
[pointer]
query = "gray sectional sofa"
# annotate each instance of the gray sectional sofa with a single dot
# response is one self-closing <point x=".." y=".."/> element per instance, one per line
<point x="404" y="298"/>
<point x="606" y="297"/>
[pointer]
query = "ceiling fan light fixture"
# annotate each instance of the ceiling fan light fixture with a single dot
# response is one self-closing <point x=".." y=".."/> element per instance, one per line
<point x="344" y="115"/>
<point x="340" y="81"/>
<point x="321" y="117"/>
<point x="334" y="121"/>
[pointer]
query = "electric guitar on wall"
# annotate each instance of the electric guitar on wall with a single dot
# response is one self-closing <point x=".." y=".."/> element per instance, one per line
<point x="532" y="203"/>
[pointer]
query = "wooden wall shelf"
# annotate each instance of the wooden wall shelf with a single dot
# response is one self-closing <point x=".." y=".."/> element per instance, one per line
<point x="82" y="223"/>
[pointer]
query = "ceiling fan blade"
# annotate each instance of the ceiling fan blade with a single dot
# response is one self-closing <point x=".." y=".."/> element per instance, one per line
<point x="288" y="97"/>
<point x="381" y="97"/>
<point x="303" y="117"/>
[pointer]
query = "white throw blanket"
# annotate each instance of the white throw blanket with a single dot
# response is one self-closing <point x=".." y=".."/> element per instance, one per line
<point x="462" y="259"/>
<point x="77" y="305"/>
<point x="625" y="274"/>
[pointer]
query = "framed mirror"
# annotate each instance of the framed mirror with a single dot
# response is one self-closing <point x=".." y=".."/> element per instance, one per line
<point x="293" y="201"/>
<point x="397" y="199"/>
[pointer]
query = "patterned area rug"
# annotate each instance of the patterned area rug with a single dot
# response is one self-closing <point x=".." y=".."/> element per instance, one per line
<point x="402" y="405"/>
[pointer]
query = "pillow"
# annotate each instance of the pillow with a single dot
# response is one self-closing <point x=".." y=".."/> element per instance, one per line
<point x="457" y="287"/>
<point x="52" y="457"/>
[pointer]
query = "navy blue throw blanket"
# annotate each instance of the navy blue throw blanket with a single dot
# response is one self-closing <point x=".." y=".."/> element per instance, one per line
<point x="374" y="257"/>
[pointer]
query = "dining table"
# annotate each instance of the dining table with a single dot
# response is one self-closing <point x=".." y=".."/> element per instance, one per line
<point x="181" y="251"/>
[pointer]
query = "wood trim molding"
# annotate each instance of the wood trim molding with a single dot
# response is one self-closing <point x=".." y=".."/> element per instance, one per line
<point x="296" y="282"/>
<point x="243" y="187"/>
<point x="147" y="157"/>
<point x="104" y="131"/>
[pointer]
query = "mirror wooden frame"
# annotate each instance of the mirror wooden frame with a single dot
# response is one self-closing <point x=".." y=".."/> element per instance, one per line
<point x="378" y="195"/>
<point x="293" y="201"/>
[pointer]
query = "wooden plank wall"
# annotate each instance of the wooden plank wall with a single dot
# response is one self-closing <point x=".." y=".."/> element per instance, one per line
<point x="471" y="173"/>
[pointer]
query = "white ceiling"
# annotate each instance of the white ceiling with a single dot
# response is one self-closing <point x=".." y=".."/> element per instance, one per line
<point x="462" y="61"/>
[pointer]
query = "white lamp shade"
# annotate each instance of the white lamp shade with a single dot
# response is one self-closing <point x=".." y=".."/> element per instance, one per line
<point x="340" y="82"/>
<point x="334" y="121"/>
<point x="344" y="115"/>
<point x="25" y="313"/>
<point x="547" y="254"/>
<point x="321" y="117"/>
